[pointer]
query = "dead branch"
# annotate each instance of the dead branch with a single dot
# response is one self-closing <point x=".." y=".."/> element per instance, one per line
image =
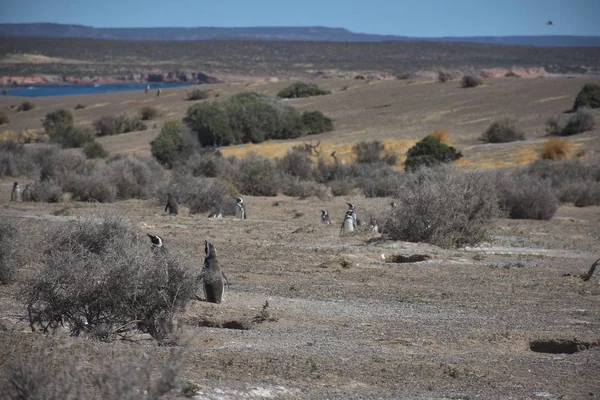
<point x="586" y="277"/>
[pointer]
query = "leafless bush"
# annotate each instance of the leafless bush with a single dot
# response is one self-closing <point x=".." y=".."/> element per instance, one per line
<point x="527" y="197"/>
<point x="210" y="164"/>
<point x="296" y="163"/>
<point x="46" y="375"/>
<point x="303" y="189"/>
<point x="256" y="176"/>
<point x="443" y="206"/>
<point x="443" y="76"/>
<point x="588" y="194"/>
<point x="95" y="186"/>
<point x="376" y="180"/>
<point x="47" y="190"/>
<point x="9" y="244"/>
<point x="327" y="172"/>
<point x="134" y="177"/>
<point x="581" y="121"/>
<point x="197" y="94"/>
<point x="100" y="278"/>
<point x="15" y="160"/>
<point x="502" y="131"/>
<point x="342" y="186"/>
<point x="373" y="152"/>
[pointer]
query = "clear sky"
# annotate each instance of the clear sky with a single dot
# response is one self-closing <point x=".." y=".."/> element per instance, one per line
<point x="424" y="18"/>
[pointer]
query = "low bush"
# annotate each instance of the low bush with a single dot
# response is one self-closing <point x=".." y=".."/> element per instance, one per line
<point x="588" y="96"/>
<point x="296" y="163"/>
<point x="581" y="121"/>
<point x="296" y="187"/>
<point x="342" y="186"/>
<point x="70" y="136"/>
<point x="100" y="278"/>
<point x="57" y="120"/>
<point x="79" y="106"/>
<point x="4" y="118"/>
<point x="208" y="162"/>
<point x="470" y="81"/>
<point x="9" y="256"/>
<point x="302" y="89"/>
<point x="47" y="190"/>
<point x="553" y="126"/>
<point x="556" y="149"/>
<point x="315" y="122"/>
<point x="93" y="149"/>
<point x="373" y="152"/>
<point x="197" y="94"/>
<point x="444" y="77"/>
<point x="429" y="152"/>
<point x="134" y="177"/>
<point x="511" y="74"/>
<point x="147" y="113"/>
<point x="443" y="206"/>
<point x="94" y="186"/>
<point x="110" y="125"/>
<point x="502" y="131"/>
<point x="26" y="106"/>
<point x="527" y="197"/>
<point x="376" y="180"/>
<point x="256" y="176"/>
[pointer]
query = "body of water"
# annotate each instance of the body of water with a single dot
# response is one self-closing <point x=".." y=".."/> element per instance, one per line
<point x="68" y="89"/>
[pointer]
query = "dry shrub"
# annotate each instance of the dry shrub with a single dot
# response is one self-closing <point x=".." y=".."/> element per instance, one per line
<point x="4" y="118"/>
<point x="256" y="176"/>
<point x="502" y="131"/>
<point x="48" y="374"/>
<point x="588" y="194"/>
<point x="134" y="177"/>
<point x="295" y="187"/>
<point x="14" y="159"/>
<point x="47" y="190"/>
<point x="200" y="194"/>
<point x="94" y="149"/>
<point x="147" y="113"/>
<point x="442" y="136"/>
<point x="342" y="186"/>
<point x="373" y="152"/>
<point x="100" y="278"/>
<point x="443" y="76"/>
<point x="581" y="121"/>
<point x="470" y="81"/>
<point x="25" y="106"/>
<point x="197" y="94"/>
<point x="296" y="163"/>
<point x="527" y="197"/>
<point x="443" y="206"/>
<point x="9" y="256"/>
<point x="209" y="163"/>
<point x="95" y="186"/>
<point x="556" y="149"/>
<point x="376" y="180"/>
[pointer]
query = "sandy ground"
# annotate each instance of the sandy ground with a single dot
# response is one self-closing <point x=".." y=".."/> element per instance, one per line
<point x="456" y="326"/>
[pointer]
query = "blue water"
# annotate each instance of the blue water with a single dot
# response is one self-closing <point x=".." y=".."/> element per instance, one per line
<point x="69" y="89"/>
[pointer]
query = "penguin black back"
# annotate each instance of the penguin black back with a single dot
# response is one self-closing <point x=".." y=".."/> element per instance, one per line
<point x="325" y="217"/>
<point x="214" y="286"/>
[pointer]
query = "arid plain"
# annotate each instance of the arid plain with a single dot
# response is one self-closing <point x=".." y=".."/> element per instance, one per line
<point x="457" y="325"/>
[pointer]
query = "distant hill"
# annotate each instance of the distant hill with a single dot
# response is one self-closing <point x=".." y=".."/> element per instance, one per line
<point x="308" y="33"/>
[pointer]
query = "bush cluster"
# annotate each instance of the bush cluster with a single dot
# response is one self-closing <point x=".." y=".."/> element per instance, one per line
<point x="429" y="152"/>
<point x="110" y="125"/>
<point x="525" y="197"/>
<point x="99" y="277"/>
<point x="588" y="96"/>
<point x="302" y="89"/>
<point x="58" y="119"/>
<point x="250" y="117"/>
<point x="502" y="131"/>
<point x="581" y="121"/>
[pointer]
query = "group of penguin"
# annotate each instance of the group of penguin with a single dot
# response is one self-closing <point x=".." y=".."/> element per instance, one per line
<point x="349" y="223"/>
<point x="17" y="195"/>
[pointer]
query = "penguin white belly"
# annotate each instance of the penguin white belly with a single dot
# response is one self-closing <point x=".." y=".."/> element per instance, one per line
<point x="348" y="225"/>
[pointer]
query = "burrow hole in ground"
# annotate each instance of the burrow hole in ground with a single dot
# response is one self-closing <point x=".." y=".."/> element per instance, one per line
<point x="561" y="346"/>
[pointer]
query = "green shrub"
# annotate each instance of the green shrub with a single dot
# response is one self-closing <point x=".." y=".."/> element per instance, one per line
<point x="373" y="152"/>
<point x="26" y="106"/>
<point x="3" y="118"/>
<point x="58" y="119"/>
<point x="316" y="122"/>
<point x="470" y="81"/>
<point x="429" y="152"/>
<point x="581" y="121"/>
<point x="169" y="145"/>
<point x="94" y="149"/>
<point x="70" y="136"/>
<point x="302" y="89"/>
<point x="502" y="131"/>
<point x="443" y="206"/>
<point x="210" y="122"/>
<point x="198" y="94"/>
<point x="148" y="113"/>
<point x="588" y="96"/>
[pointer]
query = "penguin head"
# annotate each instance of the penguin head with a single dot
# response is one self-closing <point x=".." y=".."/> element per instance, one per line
<point x="209" y="249"/>
<point x="351" y="206"/>
<point x="16" y="184"/>
<point x="156" y="241"/>
<point x="239" y="200"/>
<point x="324" y="212"/>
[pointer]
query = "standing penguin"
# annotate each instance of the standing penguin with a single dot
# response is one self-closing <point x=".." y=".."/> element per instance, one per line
<point x="349" y="224"/>
<point x="172" y="207"/>
<point x="26" y="194"/>
<point x="147" y="88"/>
<point x="16" y="192"/>
<point x="352" y="208"/>
<point x="157" y="246"/>
<point x="158" y="92"/>
<point x="214" y="285"/>
<point x="325" y="217"/>
<point x="240" y="209"/>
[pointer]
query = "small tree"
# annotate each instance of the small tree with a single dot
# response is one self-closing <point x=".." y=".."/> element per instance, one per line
<point x="429" y="152"/>
<point x="316" y="122"/>
<point x="58" y="119"/>
<point x="588" y="96"/>
<point x="210" y="122"/>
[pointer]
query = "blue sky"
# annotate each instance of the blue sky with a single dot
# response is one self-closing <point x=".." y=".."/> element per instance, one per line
<point x="425" y="18"/>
